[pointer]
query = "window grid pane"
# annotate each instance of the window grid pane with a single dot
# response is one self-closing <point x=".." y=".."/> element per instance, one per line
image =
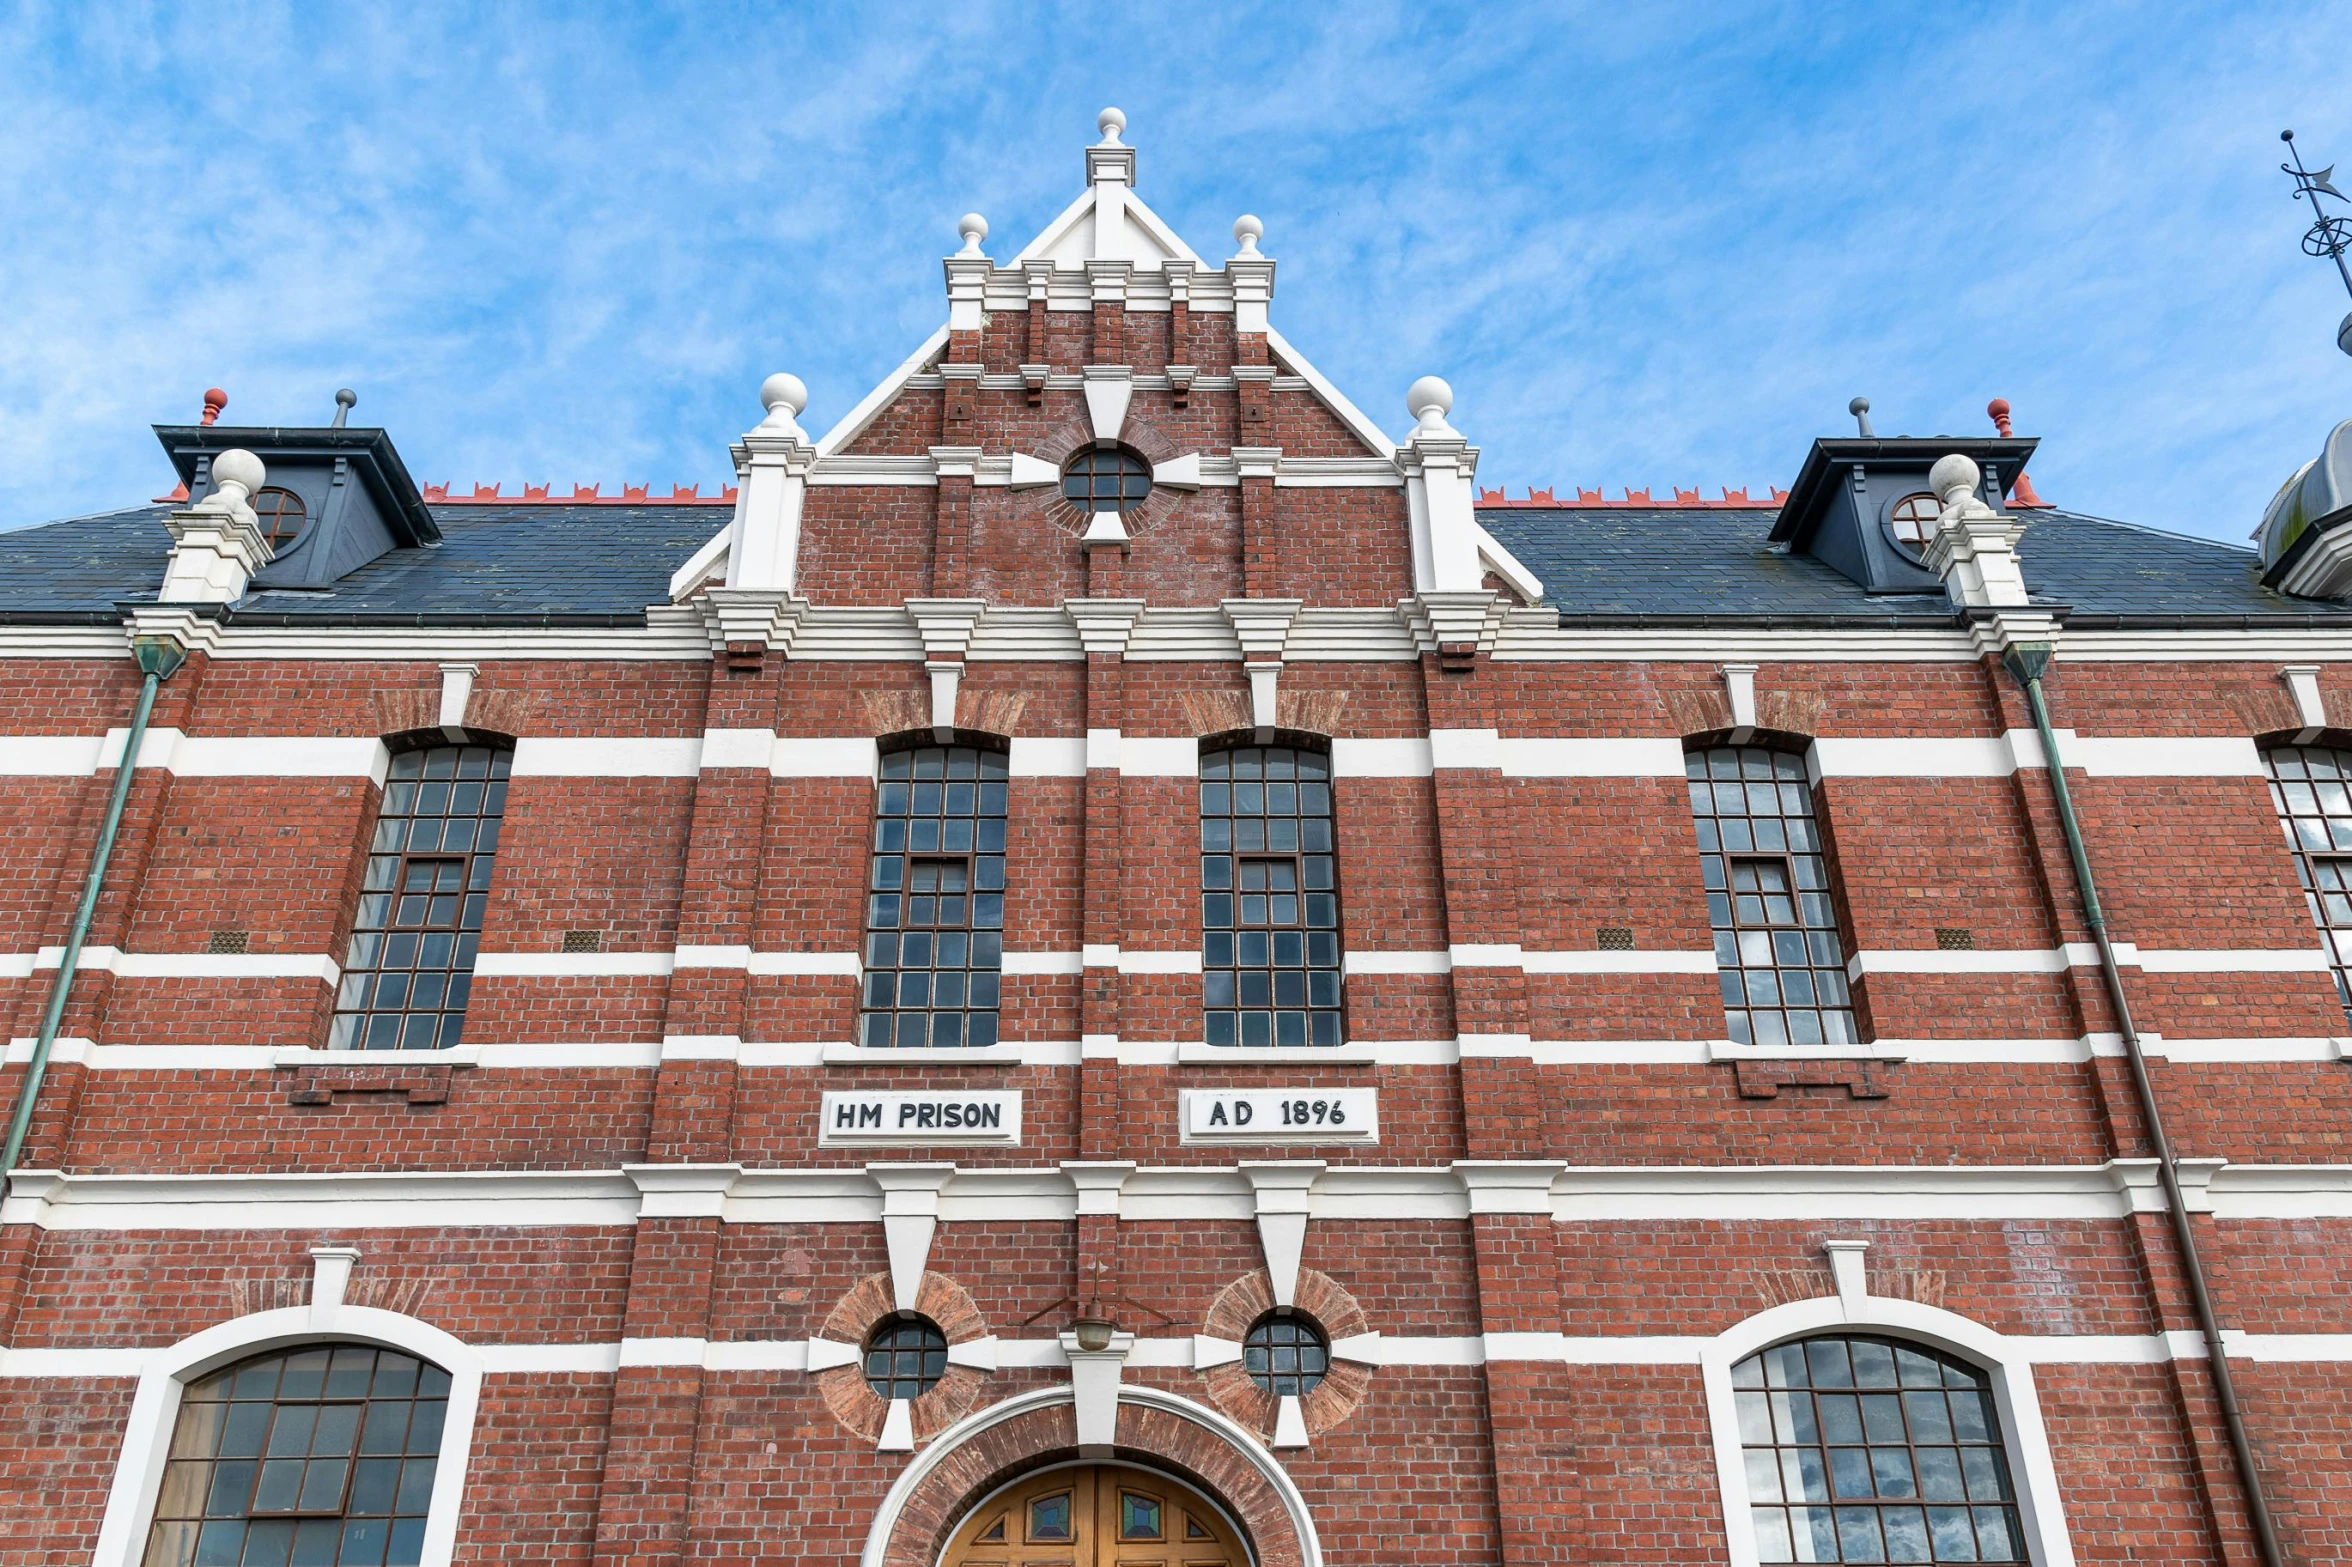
<point x="1913" y="521"/>
<point x="411" y="964"/>
<point x="905" y="1358"/>
<point x="1104" y="478"/>
<point x="1776" y="941"/>
<point x="322" y="1454"/>
<point x="281" y="515"/>
<point x="2308" y="784"/>
<point x="1285" y="1355"/>
<point x="1270" y="936"/>
<point x="1864" y="1449"/>
<point x="935" y="900"/>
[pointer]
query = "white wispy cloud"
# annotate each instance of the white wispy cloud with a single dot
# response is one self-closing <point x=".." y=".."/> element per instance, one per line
<point x="1648" y="246"/>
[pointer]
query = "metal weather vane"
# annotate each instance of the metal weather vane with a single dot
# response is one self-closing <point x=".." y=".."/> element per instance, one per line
<point x="2329" y="235"/>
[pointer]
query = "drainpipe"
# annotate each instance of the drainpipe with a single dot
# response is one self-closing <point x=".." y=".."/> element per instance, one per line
<point x="2026" y="662"/>
<point x="159" y="658"/>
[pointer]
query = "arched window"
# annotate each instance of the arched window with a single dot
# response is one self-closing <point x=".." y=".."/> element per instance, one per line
<point x="1106" y="478"/>
<point x="1269" y="898"/>
<point x="1868" y="1449"/>
<point x="1286" y="1354"/>
<point x="321" y="1454"/>
<point x="935" y="900"/>
<point x="905" y="1357"/>
<point x="281" y="514"/>
<point x="411" y="963"/>
<point x="1776" y="938"/>
<point x="1912" y="520"/>
<point x="2308" y="784"/>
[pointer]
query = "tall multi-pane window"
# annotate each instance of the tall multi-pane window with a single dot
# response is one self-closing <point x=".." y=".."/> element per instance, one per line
<point x="2309" y="785"/>
<point x="935" y="899"/>
<point x="323" y="1454"/>
<point x="1269" y="898"/>
<point x="1864" y="1449"/>
<point x="1776" y="939"/>
<point x="411" y="963"/>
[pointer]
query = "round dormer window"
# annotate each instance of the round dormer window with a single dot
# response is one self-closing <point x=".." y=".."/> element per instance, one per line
<point x="1106" y="478"/>
<point x="281" y="515"/>
<point x="1912" y="521"/>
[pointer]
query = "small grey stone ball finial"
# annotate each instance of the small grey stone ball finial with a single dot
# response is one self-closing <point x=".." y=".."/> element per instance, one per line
<point x="1860" y="409"/>
<point x="345" y="400"/>
<point x="2344" y="335"/>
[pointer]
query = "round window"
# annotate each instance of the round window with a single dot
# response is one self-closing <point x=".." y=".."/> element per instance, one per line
<point x="905" y="1357"/>
<point x="1106" y="478"/>
<point x="1286" y="1354"/>
<point x="281" y="515"/>
<point x="1913" y="522"/>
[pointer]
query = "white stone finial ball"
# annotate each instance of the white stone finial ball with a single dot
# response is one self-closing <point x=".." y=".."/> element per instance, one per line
<point x="973" y="228"/>
<point x="1247" y="231"/>
<point x="241" y="468"/>
<point x="1427" y="396"/>
<point x="1953" y="477"/>
<point x="1111" y="122"/>
<point x="784" y="388"/>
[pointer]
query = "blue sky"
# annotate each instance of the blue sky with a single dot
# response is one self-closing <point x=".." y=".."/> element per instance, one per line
<point x="1648" y="245"/>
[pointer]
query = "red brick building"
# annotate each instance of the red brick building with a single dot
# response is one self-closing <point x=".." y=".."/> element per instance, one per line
<point x="1109" y="963"/>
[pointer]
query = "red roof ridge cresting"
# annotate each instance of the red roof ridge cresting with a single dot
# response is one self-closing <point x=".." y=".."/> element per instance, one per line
<point x="449" y="494"/>
<point x="1684" y="499"/>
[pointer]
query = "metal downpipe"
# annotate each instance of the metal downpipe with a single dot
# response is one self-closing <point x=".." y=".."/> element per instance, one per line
<point x="159" y="659"/>
<point x="2026" y="663"/>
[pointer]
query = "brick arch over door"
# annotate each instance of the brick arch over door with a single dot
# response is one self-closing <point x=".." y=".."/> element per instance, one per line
<point x="1157" y="1430"/>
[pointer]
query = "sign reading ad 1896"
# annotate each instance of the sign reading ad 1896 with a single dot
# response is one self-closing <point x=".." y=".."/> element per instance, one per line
<point x="1281" y="1115"/>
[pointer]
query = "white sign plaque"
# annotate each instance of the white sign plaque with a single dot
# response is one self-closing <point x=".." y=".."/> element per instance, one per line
<point x="920" y="1117"/>
<point x="1280" y="1115"/>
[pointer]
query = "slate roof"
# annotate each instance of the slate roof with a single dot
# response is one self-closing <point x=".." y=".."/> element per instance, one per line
<point x="1667" y="564"/>
<point x="539" y="564"/>
<point x="590" y="564"/>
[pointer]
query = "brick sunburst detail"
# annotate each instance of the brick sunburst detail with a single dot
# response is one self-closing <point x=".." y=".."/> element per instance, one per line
<point x="853" y="1320"/>
<point x="1335" y="1311"/>
<point x="1066" y="440"/>
<point x="1035" y="1438"/>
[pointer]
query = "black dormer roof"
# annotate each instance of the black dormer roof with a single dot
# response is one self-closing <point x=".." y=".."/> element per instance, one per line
<point x="1836" y="511"/>
<point x="358" y="501"/>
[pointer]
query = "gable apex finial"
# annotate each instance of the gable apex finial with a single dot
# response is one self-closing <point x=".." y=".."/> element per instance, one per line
<point x="1111" y="122"/>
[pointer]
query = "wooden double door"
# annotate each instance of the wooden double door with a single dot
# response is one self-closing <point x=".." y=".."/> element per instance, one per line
<point x="1095" y="1515"/>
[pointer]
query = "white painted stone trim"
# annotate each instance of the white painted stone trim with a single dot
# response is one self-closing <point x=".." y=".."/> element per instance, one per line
<point x="851" y="756"/>
<point x="73" y="1363"/>
<point x="2083" y="954"/>
<point x="1570" y="1194"/>
<point x="608" y="1055"/>
<point x="164" y="1374"/>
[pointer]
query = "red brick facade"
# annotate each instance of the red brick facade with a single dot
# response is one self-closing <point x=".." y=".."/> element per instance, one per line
<point x="616" y="1191"/>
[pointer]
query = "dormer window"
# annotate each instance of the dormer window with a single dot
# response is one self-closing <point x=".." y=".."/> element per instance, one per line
<point x="1106" y="478"/>
<point x="1913" y="522"/>
<point x="281" y="514"/>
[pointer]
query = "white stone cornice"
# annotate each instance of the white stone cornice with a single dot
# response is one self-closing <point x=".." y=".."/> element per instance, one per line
<point x="955" y="462"/>
<point x="946" y="625"/>
<point x="1257" y="462"/>
<point x="174" y="623"/>
<point x="1454" y="621"/>
<point x="770" y="617"/>
<point x="1104" y="625"/>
